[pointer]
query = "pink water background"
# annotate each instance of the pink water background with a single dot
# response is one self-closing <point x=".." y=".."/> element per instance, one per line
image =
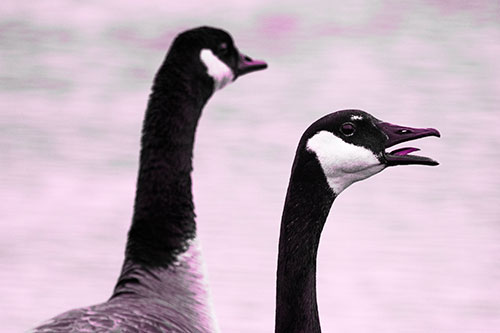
<point x="414" y="249"/>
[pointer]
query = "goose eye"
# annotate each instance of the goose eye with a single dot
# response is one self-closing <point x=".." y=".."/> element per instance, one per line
<point x="222" y="49"/>
<point x="348" y="129"/>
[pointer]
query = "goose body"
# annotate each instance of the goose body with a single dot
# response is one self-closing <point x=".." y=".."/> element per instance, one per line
<point x="335" y="151"/>
<point x="161" y="286"/>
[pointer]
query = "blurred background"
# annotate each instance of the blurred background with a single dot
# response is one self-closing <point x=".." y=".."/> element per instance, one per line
<point x="413" y="249"/>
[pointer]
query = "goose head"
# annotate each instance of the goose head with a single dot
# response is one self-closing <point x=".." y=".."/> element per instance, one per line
<point x="210" y="53"/>
<point x="351" y="145"/>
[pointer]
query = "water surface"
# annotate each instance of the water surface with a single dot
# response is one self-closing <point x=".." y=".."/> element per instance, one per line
<point x="414" y="249"/>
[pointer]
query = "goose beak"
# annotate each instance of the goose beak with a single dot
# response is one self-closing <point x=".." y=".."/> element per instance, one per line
<point x="396" y="134"/>
<point x="247" y="65"/>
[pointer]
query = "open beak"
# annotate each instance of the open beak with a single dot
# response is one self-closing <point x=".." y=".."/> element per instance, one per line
<point x="247" y="65"/>
<point x="397" y="134"/>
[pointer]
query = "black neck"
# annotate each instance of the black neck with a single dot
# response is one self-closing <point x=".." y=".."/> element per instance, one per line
<point x="163" y="220"/>
<point x="307" y="205"/>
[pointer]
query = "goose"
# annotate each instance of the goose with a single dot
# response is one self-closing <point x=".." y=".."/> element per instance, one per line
<point x="335" y="151"/>
<point x="161" y="286"/>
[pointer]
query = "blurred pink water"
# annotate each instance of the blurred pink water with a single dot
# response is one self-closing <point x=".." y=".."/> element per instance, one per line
<point x="413" y="249"/>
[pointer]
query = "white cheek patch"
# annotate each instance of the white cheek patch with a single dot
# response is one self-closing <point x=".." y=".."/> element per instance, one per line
<point x="218" y="70"/>
<point x="343" y="163"/>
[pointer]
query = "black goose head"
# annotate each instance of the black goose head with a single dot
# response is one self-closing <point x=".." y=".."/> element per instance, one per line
<point x="350" y="145"/>
<point x="210" y="52"/>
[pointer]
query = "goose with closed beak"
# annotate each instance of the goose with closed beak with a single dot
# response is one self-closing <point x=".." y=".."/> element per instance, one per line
<point x="161" y="287"/>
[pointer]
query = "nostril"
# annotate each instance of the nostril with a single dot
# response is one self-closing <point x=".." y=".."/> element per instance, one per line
<point x="403" y="131"/>
<point x="247" y="58"/>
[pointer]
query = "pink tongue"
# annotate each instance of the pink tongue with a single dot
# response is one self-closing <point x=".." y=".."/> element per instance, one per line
<point x="404" y="151"/>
